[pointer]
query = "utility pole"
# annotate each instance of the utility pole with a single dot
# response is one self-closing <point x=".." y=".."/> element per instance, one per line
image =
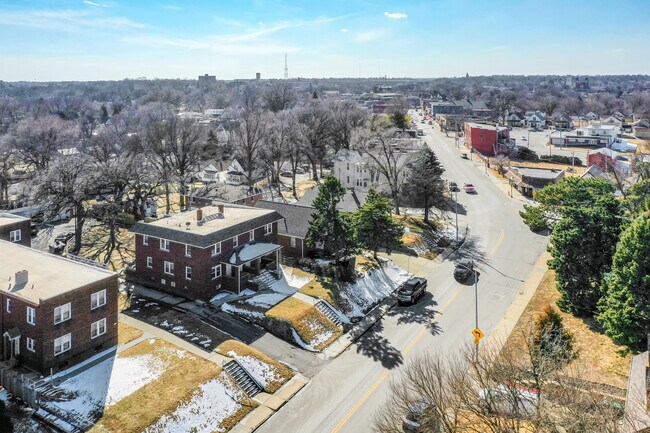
<point x="456" y="210"/>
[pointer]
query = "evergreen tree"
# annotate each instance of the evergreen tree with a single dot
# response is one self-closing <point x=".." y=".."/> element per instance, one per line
<point x="582" y="245"/>
<point x="328" y="226"/>
<point x="374" y="225"/>
<point x="625" y="306"/>
<point x="399" y="119"/>
<point x="103" y="115"/>
<point x="424" y="185"/>
<point x="551" y="340"/>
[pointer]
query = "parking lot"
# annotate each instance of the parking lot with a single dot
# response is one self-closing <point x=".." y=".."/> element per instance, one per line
<point x="538" y="142"/>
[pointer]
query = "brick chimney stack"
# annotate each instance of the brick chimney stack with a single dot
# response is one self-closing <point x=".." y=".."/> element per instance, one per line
<point x="199" y="214"/>
<point x="221" y="209"/>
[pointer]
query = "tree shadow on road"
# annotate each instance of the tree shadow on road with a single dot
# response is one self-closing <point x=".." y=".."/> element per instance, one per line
<point x="373" y="345"/>
<point x="422" y="312"/>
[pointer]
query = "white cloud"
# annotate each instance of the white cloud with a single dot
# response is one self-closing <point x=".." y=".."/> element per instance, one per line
<point x="89" y="3"/>
<point x="395" y="15"/>
<point x="369" y="36"/>
<point x="344" y="30"/>
<point x="66" y="20"/>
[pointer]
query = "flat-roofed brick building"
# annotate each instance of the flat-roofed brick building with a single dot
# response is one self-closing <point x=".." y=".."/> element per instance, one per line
<point x="16" y="229"/>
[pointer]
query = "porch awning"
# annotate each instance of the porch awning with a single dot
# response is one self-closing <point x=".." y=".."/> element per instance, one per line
<point x="249" y="252"/>
<point x="13" y="333"/>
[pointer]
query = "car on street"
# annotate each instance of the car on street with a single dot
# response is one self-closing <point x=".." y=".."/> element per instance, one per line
<point x="464" y="269"/>
<point x="286" y="174"/>
<point x="411" y="290"/>
<point x="453" y="186"/>
<point x="523" y="138"/>
<point x="420" y="418"/>
<point x="430" y="122"/>
<point x="469" y="188"/>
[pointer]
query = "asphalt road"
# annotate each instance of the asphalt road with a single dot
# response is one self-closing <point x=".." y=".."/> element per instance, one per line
<point x="346" y="393"/>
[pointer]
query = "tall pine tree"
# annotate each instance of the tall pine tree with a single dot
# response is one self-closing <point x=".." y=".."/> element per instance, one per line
<point x="374" y="225"/>
<point x="425" y="186"/>
<point x="625" y="306"/>
<point x="328" y="227"/>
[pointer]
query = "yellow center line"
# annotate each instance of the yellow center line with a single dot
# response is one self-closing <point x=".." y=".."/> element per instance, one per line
<point x="409" y="347"/>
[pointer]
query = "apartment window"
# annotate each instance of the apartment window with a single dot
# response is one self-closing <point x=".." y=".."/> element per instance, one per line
<point x="348" y="166"/>
<point x="188" y="251"/>
<point x="8" y="305"/>
<point x="188" y="272"/>
<point x="98" y="299"/>
<point x="149" y="262"/>
<point x="62" y="313"/>
<point x="15" y="236"/>
<point x="235" y="241"/>
<point x="293" y="242"/>
<point x="251" y="235"/>
<point x="31" y="316"/>
<point x="62" y="344"/>
<point x="216" y="249"/>
<point x="347" y="179"/>
<point x="268" y="229"/>
<point x="216" y="272"/>
<point x="145" y="240"/>
<point x="169" y="268"/>
<point x="164" y="244"/>
<point x="30" y="344"/>
<point x="98" y="328"/>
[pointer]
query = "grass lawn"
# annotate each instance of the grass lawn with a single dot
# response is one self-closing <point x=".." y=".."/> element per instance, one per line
<point x="310" y="324"/>
<point x="323" y="287"/>
<point x="602" y="359"/>
<point x="94" y="246"/>
<point x="282" y="371"/>
<point x="183" y="374"/>
<point x="126" y="333"/>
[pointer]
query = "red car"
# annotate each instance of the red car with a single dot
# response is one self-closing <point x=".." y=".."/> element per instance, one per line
<point x="469" y="188"/>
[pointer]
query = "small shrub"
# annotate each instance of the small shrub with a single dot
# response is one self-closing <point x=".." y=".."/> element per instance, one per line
<point x="560" y="159"/>
<point x="551" y="339"/>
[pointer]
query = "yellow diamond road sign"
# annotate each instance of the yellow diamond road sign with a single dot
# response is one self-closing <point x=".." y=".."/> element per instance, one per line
<point x="478" y="334"/>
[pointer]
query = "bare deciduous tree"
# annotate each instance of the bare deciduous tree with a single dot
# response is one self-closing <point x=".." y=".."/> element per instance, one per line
<point x="279" y="97"/>
<point x="247" y="137"/>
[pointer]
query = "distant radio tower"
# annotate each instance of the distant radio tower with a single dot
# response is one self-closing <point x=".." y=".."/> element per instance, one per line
<point x="286" y="68"/>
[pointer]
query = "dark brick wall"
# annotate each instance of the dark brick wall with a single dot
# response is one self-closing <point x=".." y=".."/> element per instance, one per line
<point x="201" y="286"/>
<point x="24" y="226"/>
<point x="44" y="332"/>
<point x="297" y="252"/>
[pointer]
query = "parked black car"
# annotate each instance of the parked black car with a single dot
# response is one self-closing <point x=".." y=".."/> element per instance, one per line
<point x="421" y="418"/>
<point x="464" y="269"/>
<point x="411" y="290"/>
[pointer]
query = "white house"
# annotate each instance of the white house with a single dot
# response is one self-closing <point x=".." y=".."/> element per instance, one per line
<point x="235" y="174"/>
<point x="591" y="116"/>
<point x="352" y="169"/>
<point x="612" y="121"/>
<point x="535" y="119"/>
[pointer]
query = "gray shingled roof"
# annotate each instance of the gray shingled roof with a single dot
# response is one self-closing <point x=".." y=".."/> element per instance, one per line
<point x="296" y="217"/>
<point x="204" y="240"/>
<point x="349" y="203"/>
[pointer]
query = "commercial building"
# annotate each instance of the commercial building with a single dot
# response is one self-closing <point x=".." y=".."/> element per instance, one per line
<point x="593" y="136"/>
<point x="54" y="312"/>
<point x="485" y="139"/>
<point x="528" y="179"/>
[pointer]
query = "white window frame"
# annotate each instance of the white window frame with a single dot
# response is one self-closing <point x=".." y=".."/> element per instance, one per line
<point x="251" y="235"/>
<point x="145" y="239"/>
<point x="164" y="245"/>
<point x="8" y="307"/>
<point x="188" y="273"/>
<point x="216" y="272"/>
<point x="150" y="262"/>
<point x="168" y="268"/>
<point x="31" y="314"/>
<point x="30" y="343"/>
<point x="268" y="229"/>
<point x="62" y="309"/>
<point x="96" y="328"/>
<point x="216" y="249"/>
<point x="61" y="343"/>
<point x="235" y="241"/>
<point x="98" y="296"/>
<point x="15" y="235"/>
<point x="293" y="242"/>
<point x="188" y="250"/>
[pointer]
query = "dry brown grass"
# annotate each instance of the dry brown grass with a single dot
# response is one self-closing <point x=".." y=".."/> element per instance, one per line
<point x="306" y="320"/>
<point x="324" y="287"/>
<point x="127" y="333"/>
<point x="161" y="396"/>
<point x="601" y="358"/>
<point x="95" y="247"/>
<point x="242" y="349"/>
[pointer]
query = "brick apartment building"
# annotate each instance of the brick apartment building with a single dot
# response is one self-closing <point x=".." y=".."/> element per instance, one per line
<point x="485" y="139"/>
<point x="198" y="253"/>
<point x="15" y="228"/>
<point x="292" y="232"/>
<point x="53" y="312"/>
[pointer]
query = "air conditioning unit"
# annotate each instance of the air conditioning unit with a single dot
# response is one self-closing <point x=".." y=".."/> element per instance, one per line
<point x="173" y="284"/>
<point x="162" y="281"/>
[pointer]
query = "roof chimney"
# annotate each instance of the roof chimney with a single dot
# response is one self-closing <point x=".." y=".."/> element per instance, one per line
<point x="221" y="209"/>
<point x="199" y="214"/>
<point x="21" y="278"/>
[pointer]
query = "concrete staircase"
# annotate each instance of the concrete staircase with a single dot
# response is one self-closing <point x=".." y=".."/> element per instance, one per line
<point x="264" y="280"/>
<point x="324" y="308"/>
<point x="244" y="381"/>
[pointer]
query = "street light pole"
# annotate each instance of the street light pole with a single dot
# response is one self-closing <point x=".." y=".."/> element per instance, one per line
<point x="475" y="304"/>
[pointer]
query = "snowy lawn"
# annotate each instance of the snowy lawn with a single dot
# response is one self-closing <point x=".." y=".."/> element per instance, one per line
<point x="154" y="378"/>
<point x="314" y="330"/>
<point x="270" y="373"/>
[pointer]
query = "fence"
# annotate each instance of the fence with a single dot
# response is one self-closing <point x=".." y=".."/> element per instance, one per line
<point x="87" y="261"/>
<point x="19" y="385"/>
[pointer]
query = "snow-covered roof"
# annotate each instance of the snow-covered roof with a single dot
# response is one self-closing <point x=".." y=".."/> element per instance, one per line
<point x="250" y="251"/>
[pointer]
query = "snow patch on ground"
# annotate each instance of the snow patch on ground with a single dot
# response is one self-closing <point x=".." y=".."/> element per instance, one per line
<point x="321" y="334"/>
<point x="209" y="405"/>
<point x="228" y="308"/>
<point x="300" y="342"/>
<point x="373" y="286"/>
<point x="262" y="372"/>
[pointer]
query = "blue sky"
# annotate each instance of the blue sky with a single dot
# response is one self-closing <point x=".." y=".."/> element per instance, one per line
<point x="107" y="39"/>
